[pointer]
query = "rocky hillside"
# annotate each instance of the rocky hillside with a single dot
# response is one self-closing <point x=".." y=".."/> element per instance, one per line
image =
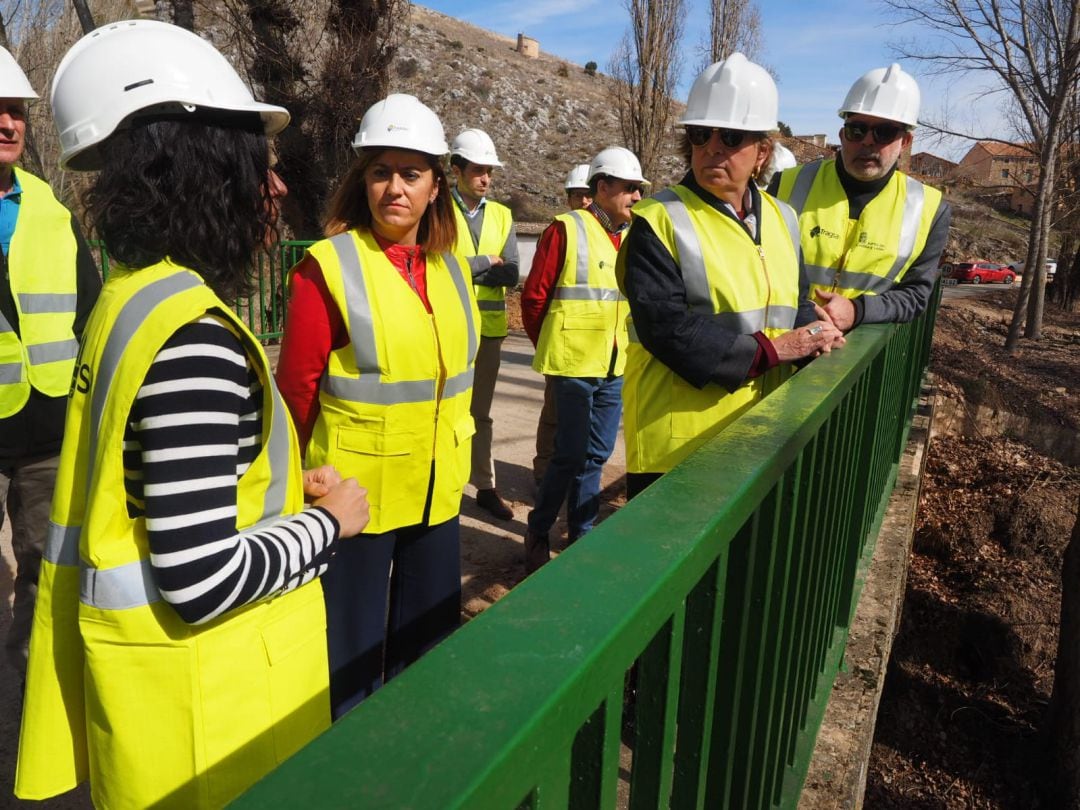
<point x="544" y="114"/>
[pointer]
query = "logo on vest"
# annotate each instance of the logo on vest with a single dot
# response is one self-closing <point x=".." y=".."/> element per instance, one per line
<point x="817" y="231"/>
<point x="80" y="379"/>
<point x="865" y="242"/>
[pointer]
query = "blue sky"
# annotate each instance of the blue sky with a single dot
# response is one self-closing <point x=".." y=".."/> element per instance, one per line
<point x="816" y="54"/>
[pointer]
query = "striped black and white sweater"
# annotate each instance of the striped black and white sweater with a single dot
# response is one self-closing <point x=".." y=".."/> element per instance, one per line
<point x="194" y="428"/>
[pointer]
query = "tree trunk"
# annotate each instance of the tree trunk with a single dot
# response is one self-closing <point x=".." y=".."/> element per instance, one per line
<point x="326" y="108"/>
<point x="1062" y="727"/>
<point x="645" y="66"/>
<point x="86" y="19"/>
<point x="183" y="14"/>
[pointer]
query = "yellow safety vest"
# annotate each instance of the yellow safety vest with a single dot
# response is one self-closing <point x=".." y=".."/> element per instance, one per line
<point x="866" y="256"/>
<point x="157" y="712"/>
<point x="587" y="315"/>
<point x="495" y="230"/>
<point x="41" y="272"/>
<point x="396" y="398"/>
<point x="750" y="289"/>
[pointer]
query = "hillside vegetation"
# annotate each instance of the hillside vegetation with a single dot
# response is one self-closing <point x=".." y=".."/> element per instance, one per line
<point x="544" y="114"/>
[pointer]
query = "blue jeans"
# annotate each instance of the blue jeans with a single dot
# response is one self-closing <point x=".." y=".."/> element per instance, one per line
<point x="589" y="409"/>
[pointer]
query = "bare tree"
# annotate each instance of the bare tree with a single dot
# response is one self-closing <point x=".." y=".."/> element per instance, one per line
<point x="735" y="27"/>
<point x="357" y="44"/>
<point x="645" y="67"/>
<point x="1032" y="50"/>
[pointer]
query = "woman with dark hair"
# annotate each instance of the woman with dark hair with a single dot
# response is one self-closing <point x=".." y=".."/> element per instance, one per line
<point x="158" y="666"/>
<point x="376" y="366"/>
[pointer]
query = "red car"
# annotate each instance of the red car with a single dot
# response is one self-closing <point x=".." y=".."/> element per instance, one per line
<point x="979" y="272"/>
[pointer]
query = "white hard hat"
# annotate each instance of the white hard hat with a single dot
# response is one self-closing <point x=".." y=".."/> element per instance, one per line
<point x="782" y="158"/>
<point x="13" y="82"/>
<point x="615" y="161"/>
<point x="475" y="146"/>
<point x="142" y="66"/>
<point x="735" y="94"/>
<point x="885" y="93"/>
<point x="401" y="121"/>
<point x="578" y="177"/>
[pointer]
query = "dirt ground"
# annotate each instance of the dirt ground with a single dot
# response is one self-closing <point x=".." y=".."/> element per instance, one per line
<point x="972" y="668"/>
<point x="1039" y="379"/>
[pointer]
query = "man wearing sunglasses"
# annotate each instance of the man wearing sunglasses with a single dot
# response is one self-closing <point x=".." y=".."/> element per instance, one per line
<point x="871" y="236"/>
<point x="576" y="318"/>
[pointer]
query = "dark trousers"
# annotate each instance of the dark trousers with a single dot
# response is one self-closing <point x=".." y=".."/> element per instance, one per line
<point x="389" y="599"/>
<point x="636" y="483"/>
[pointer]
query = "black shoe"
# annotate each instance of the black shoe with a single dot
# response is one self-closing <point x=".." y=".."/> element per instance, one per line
<point x="537" y="550"/>
<point x="489" y="501"/>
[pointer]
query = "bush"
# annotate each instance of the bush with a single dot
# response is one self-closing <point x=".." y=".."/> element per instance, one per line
<point x="564" y="71"/>
<point x="590" y="68"/>
<point x="482" y="88"/>
<point x="407" y="68"/>
<point x="457" y="44"/>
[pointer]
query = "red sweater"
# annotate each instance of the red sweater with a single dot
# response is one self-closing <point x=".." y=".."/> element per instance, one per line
<point x="314" y="327"/>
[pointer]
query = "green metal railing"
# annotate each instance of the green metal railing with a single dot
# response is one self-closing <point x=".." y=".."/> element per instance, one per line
<point x="726" y="588"/>
<point x="264" y="311"/>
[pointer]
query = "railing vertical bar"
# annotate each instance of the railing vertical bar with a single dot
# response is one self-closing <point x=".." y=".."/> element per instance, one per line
<point x="734" y="630"/>
<point x="553" y="788"/>
<point x="853" y="504"/>
<point x="830" y="504"/>
<point x="813" y="481"/>
<point x="751" y="695"/>
<point x="701" y="650"/>
<point x="587" y="761"/>
<point x="655" y="713"/>
<point x="777" y="650"/>
<point x="609" y="772"/>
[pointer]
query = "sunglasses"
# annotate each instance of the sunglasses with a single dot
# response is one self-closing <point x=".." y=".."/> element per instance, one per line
<point x="634" y="188"/>
<point x="731" y="138"/>
<point x="855" y="131"/>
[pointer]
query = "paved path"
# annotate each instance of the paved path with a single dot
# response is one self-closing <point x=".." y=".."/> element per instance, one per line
<point x="492" y="550"/>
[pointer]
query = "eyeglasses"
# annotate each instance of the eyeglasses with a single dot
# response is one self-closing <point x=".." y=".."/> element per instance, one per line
<point x="855" y="131"/>
<point x="731" y="138"/>
<point x="634" y="188"/>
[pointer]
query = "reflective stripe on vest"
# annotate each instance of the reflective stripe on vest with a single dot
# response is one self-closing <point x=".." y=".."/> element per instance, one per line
<point x="42" y="276"/>
<point x="581" y="291"/>
<point x="62" y="544"/>
<point x="132" y="585"/>
<point x="369" y="387"/>
<point x="823" y="276"/>
<point x="495" y="230"/>
<point x="692" y="264"/>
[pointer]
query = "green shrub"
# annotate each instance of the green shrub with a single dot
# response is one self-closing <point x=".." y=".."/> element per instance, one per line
<point x="564" y="71"/>
<point x="590" y="68"/>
